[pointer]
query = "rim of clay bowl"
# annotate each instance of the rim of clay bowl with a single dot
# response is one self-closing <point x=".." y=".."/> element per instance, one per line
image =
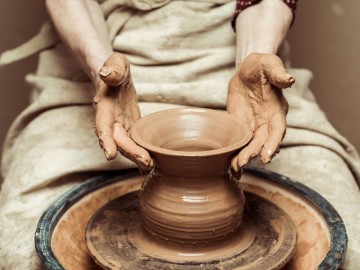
<point x="51" y="216"/>
<point x="135" y="134"/>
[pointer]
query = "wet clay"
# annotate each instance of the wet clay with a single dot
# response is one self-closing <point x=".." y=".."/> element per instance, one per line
<point x="116" y="239"/>
<point x="255" y="96"/>
<point x="116" y="108"/>
<point x="190" y="197"/>
<point x="68" y="237"/>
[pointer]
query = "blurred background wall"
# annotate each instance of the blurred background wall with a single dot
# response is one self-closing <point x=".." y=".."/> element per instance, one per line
<point x="325" y="39"/>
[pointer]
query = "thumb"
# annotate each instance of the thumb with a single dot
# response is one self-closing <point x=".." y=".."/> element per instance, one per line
<point x="275" y="72"/>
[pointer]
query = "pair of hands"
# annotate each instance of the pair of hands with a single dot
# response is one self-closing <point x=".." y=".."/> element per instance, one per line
<point x="254" y="95"/>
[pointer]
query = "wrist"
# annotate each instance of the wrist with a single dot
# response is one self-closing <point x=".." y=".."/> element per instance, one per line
<point x="245" y="52"/>
<point x="265" y="35"/>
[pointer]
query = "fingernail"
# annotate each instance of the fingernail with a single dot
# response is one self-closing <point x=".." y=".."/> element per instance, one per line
<point x="242" y="163"/>
<point x="107" y="154"/>
<point x="290" y="78"/>
<point x="101" y="134"/>
<point x="141" y="161"/>
<point x="104" y="72"/>
<point x="266" y="160"/>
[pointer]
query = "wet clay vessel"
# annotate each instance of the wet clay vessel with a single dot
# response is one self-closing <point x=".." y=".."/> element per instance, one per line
<point x="190" y="197"/>
<point x="189" y="212"/>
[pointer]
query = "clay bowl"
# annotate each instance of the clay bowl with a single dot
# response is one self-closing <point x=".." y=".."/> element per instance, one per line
<point x="60" y="235"/>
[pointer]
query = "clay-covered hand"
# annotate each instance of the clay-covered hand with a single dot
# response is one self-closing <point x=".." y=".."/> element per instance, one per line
<point x="255" y="95"/>
<point x="116" y="110"/>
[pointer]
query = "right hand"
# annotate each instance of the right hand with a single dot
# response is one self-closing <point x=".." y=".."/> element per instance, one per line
<point x="116" y="110"/>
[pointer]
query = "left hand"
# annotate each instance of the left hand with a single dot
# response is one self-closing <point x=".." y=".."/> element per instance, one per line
<point x="116" y="110"/>
<point x="255" y="95"/>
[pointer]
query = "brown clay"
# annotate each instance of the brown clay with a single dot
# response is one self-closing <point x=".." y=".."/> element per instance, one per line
<point x="190" y="196"/>
<point x="255" y="96"/>
<point x="265" y="240"/>
<point x="116" y="109"/>
<point x="69" y="246"/>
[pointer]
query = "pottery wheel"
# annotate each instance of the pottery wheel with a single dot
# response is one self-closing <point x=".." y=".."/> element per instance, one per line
<point x="266" y="239"/>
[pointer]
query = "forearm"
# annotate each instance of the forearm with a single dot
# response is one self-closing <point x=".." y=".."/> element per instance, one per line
<point x="261" y="28"/>
<point x="81" y="26"/>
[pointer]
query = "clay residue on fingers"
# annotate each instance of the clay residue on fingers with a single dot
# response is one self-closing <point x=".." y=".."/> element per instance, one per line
<point x="255" y="95"/>
<point x="275" y="71"/>
<point x="115" y="70"/>
<point x="117" y="109"/>
<point x="128" y="148"/>
<point x="111" y="75"/>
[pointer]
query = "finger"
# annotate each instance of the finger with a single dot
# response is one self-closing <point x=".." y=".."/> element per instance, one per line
<point x="275" y="72"/>
<point x="115" y="69"/>
<point x="276" y="130"/>
<point x="131" y="150"/>
<point x="251" y="150"/>
<point x="104" y="127"/>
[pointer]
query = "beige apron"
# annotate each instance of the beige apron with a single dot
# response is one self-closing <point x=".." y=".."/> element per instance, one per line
<point x="181" y="53"/>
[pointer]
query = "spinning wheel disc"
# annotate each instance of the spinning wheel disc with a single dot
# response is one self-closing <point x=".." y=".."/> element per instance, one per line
<point x="266" y="239"/>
